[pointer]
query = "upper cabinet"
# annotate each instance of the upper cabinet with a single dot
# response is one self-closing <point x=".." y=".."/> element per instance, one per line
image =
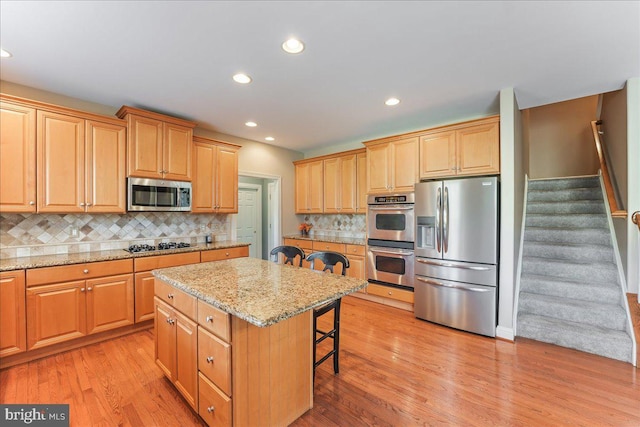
<point x="392" y="165"/>
<point x="17" y="158"/>
<point x="471" y="148"/>
<point x="159" y="146"/>
<point x="215" y="176"/>
<point x="309" y="186"/>
<point x="361" y="183"/>
<point x="340" y="183"/>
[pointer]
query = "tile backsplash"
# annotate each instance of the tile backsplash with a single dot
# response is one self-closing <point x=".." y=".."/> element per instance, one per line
<point x="343" y="225"/>
<point x="48" y="234"/>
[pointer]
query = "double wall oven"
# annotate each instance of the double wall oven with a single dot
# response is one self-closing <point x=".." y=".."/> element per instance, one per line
<point x="390" y="239"/>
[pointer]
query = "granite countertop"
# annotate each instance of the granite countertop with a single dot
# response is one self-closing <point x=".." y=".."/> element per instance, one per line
<point x="8" y="264"/>
<point x="261" y="292"/>
<point x="331" y="239"/>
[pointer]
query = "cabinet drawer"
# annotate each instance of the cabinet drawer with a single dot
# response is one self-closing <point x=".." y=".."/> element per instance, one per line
<point x="328" y="246"/>
<point x="214" y="359"/>
<point x="389" y="292"/>
<point x="301" y="243"/>
<point x="176" y="298"/>
<point x="214" y="406"/>
<point x="164" y="261"/>
<point x="357" y="250"/>
<point x="214" y="320"/>
<point x="220" y="254"/>
<point x="89" y="270"/>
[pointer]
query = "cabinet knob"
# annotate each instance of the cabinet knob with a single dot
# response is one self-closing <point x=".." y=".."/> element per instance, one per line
<point x="211" y="408"/>
<point x="81" y="204"/>
<point x="227" y="253"/>
<point x="389" y="292"/>
<point x="85" y="271"/>
<point x="209" y="319"/>
<point x="170" y="296"/>
<point x="89" y="289"/>
<point x="32" y="203"/>
<point x="210" y="359"/>
<point x="88" y="204"/>
<point x="81" y="289"/>
<point x="168" y="320"/>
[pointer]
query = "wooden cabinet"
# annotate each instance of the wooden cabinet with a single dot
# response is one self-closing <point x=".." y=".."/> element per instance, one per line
<point x="13" y="332"/>
<point x="392" y="165"/>
<point x="355" y="254"/>
<point x="17" y="158"/>
<point x="391" y="293"/>
<point x="228" y="253"/>
<point x="159" y="146"/>
<point x="144" y="280"/>
<point x="69" y="302"/>
<point x="340" y="184"/>
<point x="215" y="176"/>
<point x="305" y="244"/>
<point x="361" y="183"/>
<point x="471" y="148"/>
<point x="309" y="187"/>
<point x="80" y="164"/>
<point x="176" y="347"/>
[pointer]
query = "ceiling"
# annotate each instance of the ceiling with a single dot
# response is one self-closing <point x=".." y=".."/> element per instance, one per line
<point x="445" y="61"/>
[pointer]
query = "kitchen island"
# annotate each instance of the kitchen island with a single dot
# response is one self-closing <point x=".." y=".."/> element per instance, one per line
<point x="235" y="336"/>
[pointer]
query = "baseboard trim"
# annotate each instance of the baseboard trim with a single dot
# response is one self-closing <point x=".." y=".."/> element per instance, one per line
<point x="504" y="333"/>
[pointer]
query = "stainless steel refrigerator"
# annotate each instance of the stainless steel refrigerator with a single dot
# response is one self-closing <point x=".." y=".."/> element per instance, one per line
<point x="456" y="253"/>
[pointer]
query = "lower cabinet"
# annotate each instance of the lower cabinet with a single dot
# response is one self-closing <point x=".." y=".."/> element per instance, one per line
<point x="391" y="293"/>
<point x="13" y="321"/>
<point x="355" y="254"/>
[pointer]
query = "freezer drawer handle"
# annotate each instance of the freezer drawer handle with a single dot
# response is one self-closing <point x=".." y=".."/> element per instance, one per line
<point x="433" y="282"/>
<point x="444" y="264"/>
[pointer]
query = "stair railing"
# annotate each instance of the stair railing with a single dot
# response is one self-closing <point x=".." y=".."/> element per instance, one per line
<point x="616" y="212"/>
<point x="636" y="219"/>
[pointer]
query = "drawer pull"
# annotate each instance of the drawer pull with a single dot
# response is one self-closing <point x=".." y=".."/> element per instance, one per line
<point x="390" y="293"/>
<point x="210" y="359"/>
<point x="81" y="289"/>
<point x="227" y="253"/>
<point x="210" y="409"/>
<point x="85" y="271"/>
<point x="209" y="319"/>
<point x="170" y="321"/>
<point x="170" y="296"/>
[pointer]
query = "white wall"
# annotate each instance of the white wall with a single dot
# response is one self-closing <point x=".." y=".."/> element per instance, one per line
<point x="512" y="181"/>
<point x="633" y="182"/>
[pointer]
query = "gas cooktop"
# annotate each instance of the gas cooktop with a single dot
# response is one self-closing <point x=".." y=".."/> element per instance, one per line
<point x="160" y="247"/>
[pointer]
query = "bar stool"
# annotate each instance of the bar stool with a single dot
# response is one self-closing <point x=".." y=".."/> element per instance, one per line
<point x="330" y="259"/>
<point x="289" y="252"/>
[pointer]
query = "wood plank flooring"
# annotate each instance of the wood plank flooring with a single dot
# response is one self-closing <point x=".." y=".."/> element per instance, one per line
<point x="395" y="370"/>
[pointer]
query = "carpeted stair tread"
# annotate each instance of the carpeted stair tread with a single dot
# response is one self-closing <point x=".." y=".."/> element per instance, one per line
<point x="567" y="220"/>
<point x="573" y="207"/>
<point x="611" y="316"/>
<point x="564" y="183"/>
<point x="567" y="288"/>
<point x="565" y="195"/>
<point x="569" y="251"/>
<point x="595" y="236"/>
<point x="601" y="341"/>
<point x="600" y="272"/>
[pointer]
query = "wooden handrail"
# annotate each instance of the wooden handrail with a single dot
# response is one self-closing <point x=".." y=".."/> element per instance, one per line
<point x="636" y="219"/>
<point x="608" y="186"/>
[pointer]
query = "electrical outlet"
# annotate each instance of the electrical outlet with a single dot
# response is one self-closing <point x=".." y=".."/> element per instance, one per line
<point x="203" y="229"/>
<point x="74" y="231"/>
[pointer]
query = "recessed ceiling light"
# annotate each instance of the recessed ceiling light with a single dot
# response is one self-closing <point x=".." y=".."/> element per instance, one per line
<point x="5" y="54"/>
<point x="242" y="78"/>
<point x="251" y="124"/>
<point x="293" y="46"/>
<point x="270" y="138"/>
<point x="392" y="101"/>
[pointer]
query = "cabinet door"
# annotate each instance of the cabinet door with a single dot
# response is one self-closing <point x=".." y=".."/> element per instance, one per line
<point x="144" y="147"/>
<point x="361" y="183"/>
<point x="55" y="313"/>
<point x="165" y="342"/>
<point x="227" y="180"/>
<point x="316" y="187"/>
<point x="186" y="372"/>
<point x="109" y="303"/>
<point x="61" y="171"/>
<point x="13" y="332"/>
<point x="177" y="152"/>
<point x="105" y="168"/>
<point x="204" y="172"/>
<point x="404" y="168"/>
<point x="143" y="291"/>
<point x="378" y="168"/>
<point x="356" y="268"/>
<point x="478" y="149"/>
<point x="302" y="188"/>
<point x="17" y="158"/>
<point x="438" y="155"/>
<point x="332" y="185"/>
<point x="348" y="184"/>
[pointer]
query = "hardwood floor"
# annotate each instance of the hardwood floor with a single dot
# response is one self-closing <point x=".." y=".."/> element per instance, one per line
<point x="395" y="370"/>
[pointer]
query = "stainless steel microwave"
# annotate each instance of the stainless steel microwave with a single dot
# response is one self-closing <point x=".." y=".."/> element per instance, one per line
<point x="158" y="195"/>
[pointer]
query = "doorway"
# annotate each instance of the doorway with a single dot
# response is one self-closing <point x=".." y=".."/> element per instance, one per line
<point x="249" y="227"/>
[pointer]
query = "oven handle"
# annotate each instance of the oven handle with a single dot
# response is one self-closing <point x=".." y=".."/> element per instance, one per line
<point x="400" y="253"/>
<point x="465" y="288"/>
<point x="445" y="264"/>
<point x="391" y="208"/>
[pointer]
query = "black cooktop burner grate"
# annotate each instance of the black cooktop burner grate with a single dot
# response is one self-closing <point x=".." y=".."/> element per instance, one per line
<point x="161" y="246"/>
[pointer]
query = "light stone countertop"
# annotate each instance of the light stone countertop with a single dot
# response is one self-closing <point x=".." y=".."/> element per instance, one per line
<point x="8" y="264"/>
<point x="261" y="292"/>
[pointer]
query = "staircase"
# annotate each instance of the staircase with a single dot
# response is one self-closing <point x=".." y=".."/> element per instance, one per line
<point x="570" y="293"/>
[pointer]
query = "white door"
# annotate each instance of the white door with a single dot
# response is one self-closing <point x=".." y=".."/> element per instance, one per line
<point x="249" y="226"/>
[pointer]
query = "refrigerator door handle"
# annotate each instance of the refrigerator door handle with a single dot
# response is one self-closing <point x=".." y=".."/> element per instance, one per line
<point x="446" y="285"/>
<point x="445" y="221"/>
<point x="438" y="219"/>
<point x="445" y="264"/>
